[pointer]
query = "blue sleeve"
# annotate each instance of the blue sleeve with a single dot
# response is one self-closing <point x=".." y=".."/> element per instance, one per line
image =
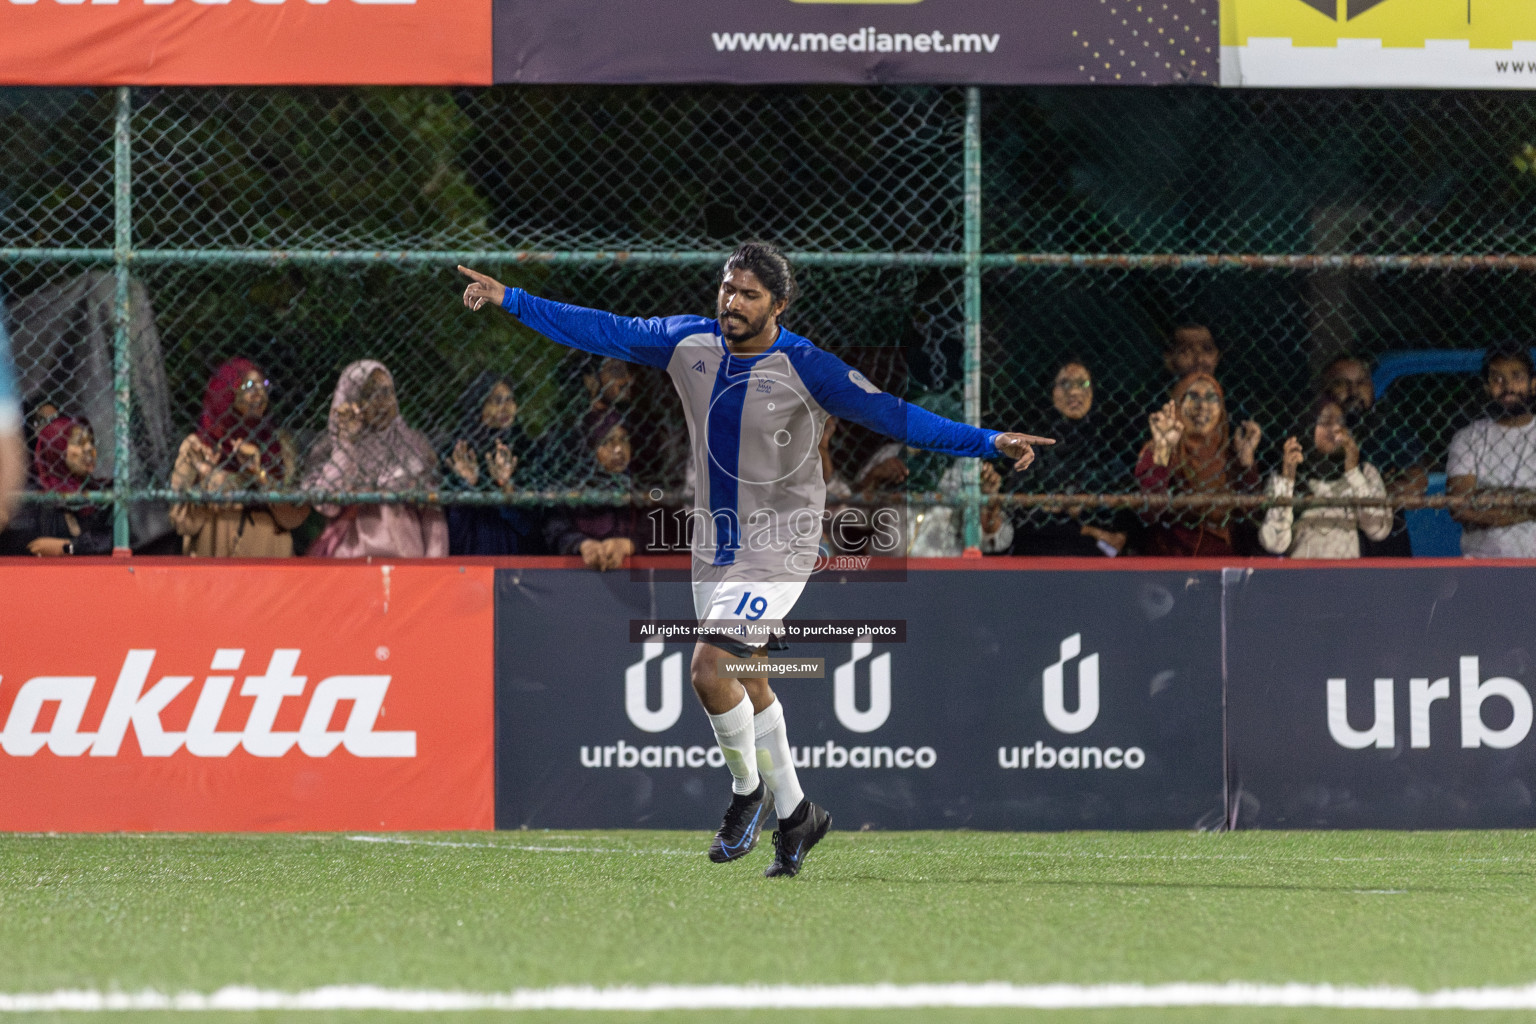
<point x="847" y="394"/>
<point x="631" y="339"/>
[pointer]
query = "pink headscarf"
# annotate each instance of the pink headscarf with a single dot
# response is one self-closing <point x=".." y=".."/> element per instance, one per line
<point x="394" y="458"/>
<point x="48" y="457"/>
<point x="220" y="425"/>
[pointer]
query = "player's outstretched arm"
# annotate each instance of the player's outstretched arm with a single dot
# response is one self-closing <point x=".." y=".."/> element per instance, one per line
<point x="847" y="394"/>
<point x="591" y="330"/>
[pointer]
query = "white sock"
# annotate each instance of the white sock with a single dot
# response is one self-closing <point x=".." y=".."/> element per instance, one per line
<point x="733" y="731"/>
<point x="774" y="759"/>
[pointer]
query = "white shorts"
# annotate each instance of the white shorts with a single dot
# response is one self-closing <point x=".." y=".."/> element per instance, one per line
<point x="745" y="612"/>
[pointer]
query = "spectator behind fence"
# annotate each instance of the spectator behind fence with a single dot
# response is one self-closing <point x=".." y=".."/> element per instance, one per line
<point x="487" y="450"/>
<point x="369" y="447"/>
<point x="1330" y="466"/>
<point x="236" y="447"/>
<point x="604" y="534"/>
<point x="1386" y="441"/>
<point x="1192" y="452"/>
<point x="1084" y="460"/>
<point x="1496" y="455"/>
<point x="63" y="463"/>
<point x="1191" y="348"/>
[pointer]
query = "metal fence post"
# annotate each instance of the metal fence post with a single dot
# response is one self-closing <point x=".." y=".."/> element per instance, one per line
<point x="972" y="363"/>
<point x="122" y="398"/>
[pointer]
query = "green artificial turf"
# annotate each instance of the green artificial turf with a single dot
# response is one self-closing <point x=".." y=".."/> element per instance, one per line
<point x="492" y="912"/>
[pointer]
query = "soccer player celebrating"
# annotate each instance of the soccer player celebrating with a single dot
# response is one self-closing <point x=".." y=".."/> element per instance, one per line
<point x="756" y="398"/>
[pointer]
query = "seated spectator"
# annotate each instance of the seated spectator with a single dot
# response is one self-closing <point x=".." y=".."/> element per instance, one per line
<point x="1386" y="442"/>
<point x="63" y="460"/>
<point x="1192" y="452"/>
<point x="610" y="385"/>
<point x="236" y="447"/>
<point x="1331" y="467"/>
<point x="1496" y="455"/>
<point x="1084" y="460"/>
<point x="369" y="447"/>
<point x="603" y="535"/>
<point x="488" y="448"/>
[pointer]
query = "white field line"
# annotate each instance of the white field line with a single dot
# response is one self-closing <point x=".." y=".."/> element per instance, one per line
<point x="783" y="997"/>
<point x="394" y="841"/>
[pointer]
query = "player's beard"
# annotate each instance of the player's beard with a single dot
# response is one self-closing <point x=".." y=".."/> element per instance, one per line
<point x="740" y="329"/>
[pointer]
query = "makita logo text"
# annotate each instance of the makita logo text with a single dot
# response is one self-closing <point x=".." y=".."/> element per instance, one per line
<point x="209" y="3"/>
<point x="136" y="704"/>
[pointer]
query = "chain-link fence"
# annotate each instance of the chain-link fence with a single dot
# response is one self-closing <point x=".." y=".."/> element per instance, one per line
<point x="1021" y="258"/>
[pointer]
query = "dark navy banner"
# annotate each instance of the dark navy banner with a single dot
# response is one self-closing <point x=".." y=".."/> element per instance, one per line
<point x="984" y="42"/>
<point x="1018" y="700"/>
<point x="1381" y="698"/>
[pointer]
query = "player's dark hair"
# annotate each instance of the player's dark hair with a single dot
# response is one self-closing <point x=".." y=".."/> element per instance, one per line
<point x="769" y="266"/>
<point x="1508" y="352"/>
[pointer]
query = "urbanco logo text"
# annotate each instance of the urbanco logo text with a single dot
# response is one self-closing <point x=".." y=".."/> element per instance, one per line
<point x="654" y="661"/>
<point x="1473" y="691"/>
<point x="1053" y="704"/>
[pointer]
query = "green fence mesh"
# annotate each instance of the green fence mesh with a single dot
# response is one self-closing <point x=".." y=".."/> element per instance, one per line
<point x="304" y="229"/>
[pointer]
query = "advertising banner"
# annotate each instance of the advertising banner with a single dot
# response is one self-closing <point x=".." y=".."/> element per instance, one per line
<point x="1381" y="698"/>
<point x="212" y="697"/>
<point x="1489" y="44"/>
<point x="1014" y="700"/>
<point x="860" y="42"/>
<point x="245" y="42"/>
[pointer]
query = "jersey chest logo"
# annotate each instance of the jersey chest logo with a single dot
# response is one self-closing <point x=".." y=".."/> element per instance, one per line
<point x="764" y="386"/>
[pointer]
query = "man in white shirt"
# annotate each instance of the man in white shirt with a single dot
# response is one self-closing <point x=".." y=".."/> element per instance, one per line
<point x="1497" y="455"/>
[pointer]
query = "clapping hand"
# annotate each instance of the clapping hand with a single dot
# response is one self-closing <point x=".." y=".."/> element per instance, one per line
<point x="501" y="462"/>
<point x="1166" y="431"/>
<point x="465" y="463"/>
<point x="1290" y="458"/>
<point x="1247" y="443"/>
<point x="349" y="421"/>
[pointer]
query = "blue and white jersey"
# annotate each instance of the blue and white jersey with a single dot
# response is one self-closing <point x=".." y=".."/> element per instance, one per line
<point x="754" y="424"/>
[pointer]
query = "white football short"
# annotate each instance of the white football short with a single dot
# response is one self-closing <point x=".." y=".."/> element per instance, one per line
<point x="742" y="612"/>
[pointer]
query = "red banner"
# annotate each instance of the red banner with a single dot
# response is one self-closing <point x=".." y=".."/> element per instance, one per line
<point x="243" y="696"/>
<point x="245" y="42"/>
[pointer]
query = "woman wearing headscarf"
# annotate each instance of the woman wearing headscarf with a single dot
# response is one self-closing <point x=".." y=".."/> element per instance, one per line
<point x="1330" y="465"/>
<point x="1084" y="460"/>
<point x="63" y="461"/>
<point x="369" y="447"/>
<point x="488" y="447"/>
<point x="1192" y="451"/>
<point x="236" y="448"/>
<point x="603" y="535"/>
